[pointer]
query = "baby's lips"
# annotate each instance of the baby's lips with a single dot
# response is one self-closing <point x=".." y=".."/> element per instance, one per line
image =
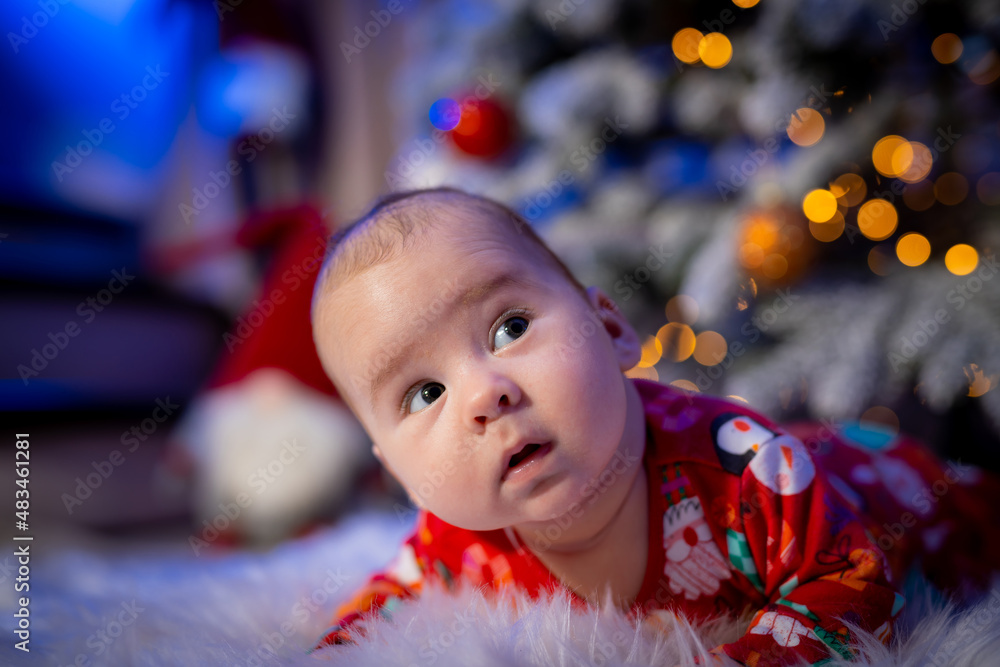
<point x="517" y="448"/>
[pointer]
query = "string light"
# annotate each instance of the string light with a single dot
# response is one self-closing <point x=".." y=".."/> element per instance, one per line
<point x="715" y="50"/>
<point x="751" y="255"/>
<point x="678" y="341"/>
<point x="710" y="348"/>
<point x="850" y="189"/>
<point x="806" y="127"/>
<point x="881" y="416"/>
<point x="913" y="249"/>
<point x="987" y="70"/>
<point x="819" y="205"/>
<point x="883" y="151"/>
<point x="947" y="48"/>
<point x="685" y="45"/>
<point x="774" y="266"/>
<point x="643" y="373"/>
<point x="877" y="219"/>
<point x="880" y="260"/>
<point x="759" y="239"/>
<point x="682" y="308"/>
<point x="828" y="231"/>
<point x="686" y="385"/>
<point x="911" y="161"/>
<point x="961" y="259"/>
<point x="652" y="350"/>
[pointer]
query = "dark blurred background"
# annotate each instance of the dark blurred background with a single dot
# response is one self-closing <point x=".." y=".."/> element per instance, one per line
<point x="796" y="203"/>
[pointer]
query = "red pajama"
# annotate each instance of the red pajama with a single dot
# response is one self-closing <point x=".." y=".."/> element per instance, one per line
<point x="808" y="526"/>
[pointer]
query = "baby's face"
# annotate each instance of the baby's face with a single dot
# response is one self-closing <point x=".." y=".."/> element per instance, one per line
<point x="465" y="355"/>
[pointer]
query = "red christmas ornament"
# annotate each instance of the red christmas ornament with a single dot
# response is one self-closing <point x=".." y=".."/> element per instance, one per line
<point x="485" y="129"/>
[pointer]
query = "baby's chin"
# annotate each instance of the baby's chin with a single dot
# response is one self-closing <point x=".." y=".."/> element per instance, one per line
<point x="475" y="523"/>
<point x="537" y="512"/>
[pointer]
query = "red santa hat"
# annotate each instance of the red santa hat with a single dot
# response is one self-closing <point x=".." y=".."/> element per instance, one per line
<point x="275" y="331"/>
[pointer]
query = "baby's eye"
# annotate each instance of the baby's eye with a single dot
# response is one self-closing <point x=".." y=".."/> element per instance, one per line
<point x="425" y="395"/>
<point x="511" y="329"/>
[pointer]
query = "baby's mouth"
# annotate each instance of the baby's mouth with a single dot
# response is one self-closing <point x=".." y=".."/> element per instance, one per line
<point x="524" y="459"/>
<point x="528" y="450"/>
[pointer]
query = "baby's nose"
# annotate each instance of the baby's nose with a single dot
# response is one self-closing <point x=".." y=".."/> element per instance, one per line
<point x="490" y="397"/>
<point x="504" y="401"/>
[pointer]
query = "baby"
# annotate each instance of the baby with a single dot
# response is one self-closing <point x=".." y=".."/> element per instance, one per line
<point x="492" y="386"/>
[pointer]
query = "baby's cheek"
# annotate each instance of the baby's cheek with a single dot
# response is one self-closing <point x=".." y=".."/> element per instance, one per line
<point x="579" y="375"/>
<point x="448" y="487"/>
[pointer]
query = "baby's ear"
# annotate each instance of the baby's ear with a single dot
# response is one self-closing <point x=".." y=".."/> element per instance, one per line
<point x="625" y="340"/>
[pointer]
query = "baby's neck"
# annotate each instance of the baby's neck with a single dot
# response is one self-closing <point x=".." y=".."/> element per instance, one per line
<point x="611" y="560"/>
<point x="576" y="544"/>
<point x="608" y="544"/>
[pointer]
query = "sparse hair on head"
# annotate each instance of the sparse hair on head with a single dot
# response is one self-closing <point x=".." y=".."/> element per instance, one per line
<point x="396" y="219"/>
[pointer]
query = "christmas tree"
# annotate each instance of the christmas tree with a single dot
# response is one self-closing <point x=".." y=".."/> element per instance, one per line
<point x="794" y="202"/>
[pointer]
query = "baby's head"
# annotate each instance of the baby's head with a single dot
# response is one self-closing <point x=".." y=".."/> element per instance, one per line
<point x="490" y="382"/>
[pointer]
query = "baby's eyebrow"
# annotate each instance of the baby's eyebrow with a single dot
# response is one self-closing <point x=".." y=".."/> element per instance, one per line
<point x="469" y="297"/>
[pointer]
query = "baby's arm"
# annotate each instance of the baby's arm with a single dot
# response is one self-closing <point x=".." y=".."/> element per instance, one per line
<point x="811" y="558"/>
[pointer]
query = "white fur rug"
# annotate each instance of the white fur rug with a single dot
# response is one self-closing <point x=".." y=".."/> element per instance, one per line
<point x="267" y="609"/>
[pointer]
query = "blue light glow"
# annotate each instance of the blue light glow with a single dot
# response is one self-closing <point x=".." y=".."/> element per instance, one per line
<point x="445" y="114"/>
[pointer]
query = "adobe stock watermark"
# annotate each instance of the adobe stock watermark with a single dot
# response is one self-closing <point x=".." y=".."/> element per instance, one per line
<point x="434" y="480"/>
<point x="131" y="440"/>
<point x="966" y="631"/>
<point x="581" y="158"/>
<point x="7" y="569"/>
<point x="596" y="487"/>
<point x="121" y="107"/>
<point x="562" y="12"/>
<point x="292" y="279"/>
<point x="958" y="297"/>
<point x="900" y="14"/>
<point x="302" y="611"/>
<point x="223" y="7"/>
<point x="409" y="161"/>
<point x="100" y="641"/>
<point x="362" y="38"/>
<point x="580" y="334"/>
<point x="382" y="365"/>
<point x="31" y="25"/>
<point x="758" y="157"/>
<point x="632" y="282"/>
<point x="434" y="647"/>
<point x="923" y="501"/>
<point x="60" y="339"/>
<point x="759" y="324"/>
<point x="249" y="148"/>
<point x="259" y="480"/>
<point x="944" y="139"/>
